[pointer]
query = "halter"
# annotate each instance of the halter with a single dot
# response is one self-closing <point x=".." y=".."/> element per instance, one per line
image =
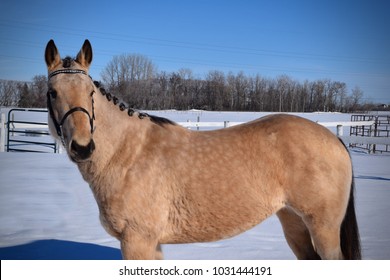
<point x="58" y="125"/>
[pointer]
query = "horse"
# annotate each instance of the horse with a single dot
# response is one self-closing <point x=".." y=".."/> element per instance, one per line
<point x="156" y="182"/>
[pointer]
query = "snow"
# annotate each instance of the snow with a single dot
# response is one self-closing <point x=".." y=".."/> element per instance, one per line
<point x="47" y="211"/>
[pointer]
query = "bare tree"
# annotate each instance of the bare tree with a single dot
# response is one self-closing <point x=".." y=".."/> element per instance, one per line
<point x="162" y="96"/>
<point x="186" y="96"/>
<point x="356" y="97"/>
<point x="284" y="86"/>
<point x="238" y="88"/>
<point x="9" y="93"/>
<point x="26" y="99"/>
<point x="259" y="87"/>
<point x="39" y="89"/>
<point x="125" y="76"/>
<point x="215" y="92"/>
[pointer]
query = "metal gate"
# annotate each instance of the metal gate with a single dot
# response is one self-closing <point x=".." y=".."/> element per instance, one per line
<point x="380" y="130"/>
<point x="27" y="131"/>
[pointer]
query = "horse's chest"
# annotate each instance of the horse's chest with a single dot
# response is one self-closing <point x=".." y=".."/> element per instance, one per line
<point x="108" y="226"/>
<point x="111" y="214"/>
<point x="111" y="221"/>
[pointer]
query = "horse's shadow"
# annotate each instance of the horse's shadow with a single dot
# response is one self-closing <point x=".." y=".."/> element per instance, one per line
<point x="59" y="250"/>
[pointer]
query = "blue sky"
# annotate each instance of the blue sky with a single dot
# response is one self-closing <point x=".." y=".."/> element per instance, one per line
<point x="347" y="41"/>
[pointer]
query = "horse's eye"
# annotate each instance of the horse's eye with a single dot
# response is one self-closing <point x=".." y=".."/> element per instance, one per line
<point x="53" y="93"/>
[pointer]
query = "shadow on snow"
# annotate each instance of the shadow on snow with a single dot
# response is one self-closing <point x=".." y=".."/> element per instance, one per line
<point x="372" y="178"/>
<point x="59" y="250"/>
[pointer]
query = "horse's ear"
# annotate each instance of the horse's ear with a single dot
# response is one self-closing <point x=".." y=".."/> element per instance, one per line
<point x="84" y="57"/>
<point x="52" y="56"/>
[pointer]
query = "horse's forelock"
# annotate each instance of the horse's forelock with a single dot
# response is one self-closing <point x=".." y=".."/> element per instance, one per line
<point x="67" y="62"/>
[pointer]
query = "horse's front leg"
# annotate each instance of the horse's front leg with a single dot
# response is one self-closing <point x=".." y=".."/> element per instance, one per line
<point x="136" y="247"/>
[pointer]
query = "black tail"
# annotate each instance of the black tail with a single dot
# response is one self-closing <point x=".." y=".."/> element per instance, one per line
<point x="349" y="233"/>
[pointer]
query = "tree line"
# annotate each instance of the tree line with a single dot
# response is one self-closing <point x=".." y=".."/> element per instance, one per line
<point x="135" y="79"/>
<point x="24" y="94"/>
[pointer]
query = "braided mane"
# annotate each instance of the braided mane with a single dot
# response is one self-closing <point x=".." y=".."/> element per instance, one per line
<point x="131" y="111"/>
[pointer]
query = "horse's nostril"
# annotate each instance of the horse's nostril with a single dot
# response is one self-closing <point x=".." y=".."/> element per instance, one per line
<point x="82" y="152"/>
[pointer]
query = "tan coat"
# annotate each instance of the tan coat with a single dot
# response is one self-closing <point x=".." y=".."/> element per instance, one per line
<point x="156" y="182"/>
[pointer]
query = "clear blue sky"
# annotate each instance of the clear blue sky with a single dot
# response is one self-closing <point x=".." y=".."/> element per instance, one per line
<point x="347" y="41"/>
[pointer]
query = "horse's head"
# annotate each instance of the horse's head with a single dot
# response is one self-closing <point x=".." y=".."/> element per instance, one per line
<point x="70" y="100"/>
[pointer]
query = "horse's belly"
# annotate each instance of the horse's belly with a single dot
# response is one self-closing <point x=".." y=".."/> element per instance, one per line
<point x="208" y="226"/>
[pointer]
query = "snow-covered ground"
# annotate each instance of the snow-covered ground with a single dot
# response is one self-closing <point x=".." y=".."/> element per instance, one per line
<point x="47" y="211"/>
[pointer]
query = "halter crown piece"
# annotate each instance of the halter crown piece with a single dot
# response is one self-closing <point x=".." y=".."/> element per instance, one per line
<point x="58" y="125"/>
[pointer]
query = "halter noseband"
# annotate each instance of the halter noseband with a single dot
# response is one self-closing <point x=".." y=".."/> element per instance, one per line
<point x="58" y="125"/>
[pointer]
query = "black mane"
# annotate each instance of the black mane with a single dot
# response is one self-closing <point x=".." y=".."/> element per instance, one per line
<point x="130" y="111"/>
<point x="161" y="121"/>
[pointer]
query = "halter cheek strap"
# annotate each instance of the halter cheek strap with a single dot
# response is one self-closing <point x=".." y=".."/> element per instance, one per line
<point x="58" y="125"/>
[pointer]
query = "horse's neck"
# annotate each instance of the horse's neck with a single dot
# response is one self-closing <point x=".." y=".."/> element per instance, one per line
<point x="116" y="135"/>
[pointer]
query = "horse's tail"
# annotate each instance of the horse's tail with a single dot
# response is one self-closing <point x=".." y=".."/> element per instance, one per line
<point x="349" y="231"/>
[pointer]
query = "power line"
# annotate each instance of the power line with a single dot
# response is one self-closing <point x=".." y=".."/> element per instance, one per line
<point x="186" y="45"/>
<point x="181" y="44"/>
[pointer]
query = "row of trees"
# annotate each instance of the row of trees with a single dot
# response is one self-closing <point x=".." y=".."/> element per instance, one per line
<point x="24" y="94"/>
<point x="135" y="80"/>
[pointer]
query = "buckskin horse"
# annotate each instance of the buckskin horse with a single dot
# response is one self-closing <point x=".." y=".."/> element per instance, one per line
<point x="156" y="182"/>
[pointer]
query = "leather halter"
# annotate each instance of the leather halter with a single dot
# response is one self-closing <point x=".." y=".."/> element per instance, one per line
<point x="58" y="125"/>
<point x="67" y="71"/>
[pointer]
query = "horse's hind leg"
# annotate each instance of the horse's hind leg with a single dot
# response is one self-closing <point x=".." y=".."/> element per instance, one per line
<point x="297" y="235"/>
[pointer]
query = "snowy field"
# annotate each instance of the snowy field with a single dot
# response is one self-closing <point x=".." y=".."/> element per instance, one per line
<point x="47" y="211"/>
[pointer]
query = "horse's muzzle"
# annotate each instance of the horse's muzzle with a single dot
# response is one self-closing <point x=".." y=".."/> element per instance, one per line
<point x="79" y="152"/>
